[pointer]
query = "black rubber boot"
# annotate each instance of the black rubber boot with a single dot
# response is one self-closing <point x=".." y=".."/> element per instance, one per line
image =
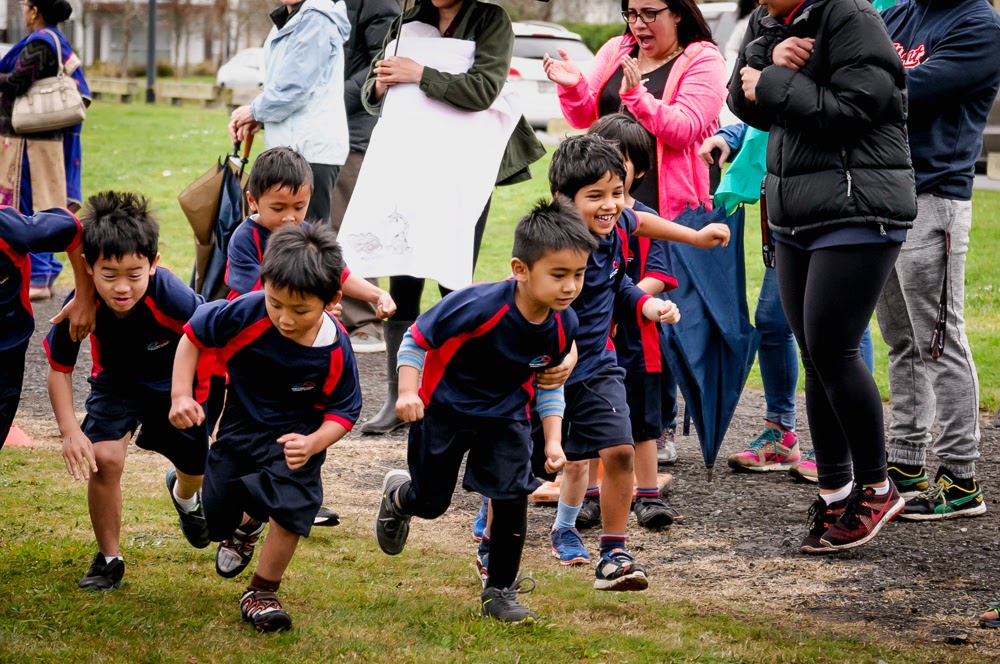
<point x="386" y="420"/>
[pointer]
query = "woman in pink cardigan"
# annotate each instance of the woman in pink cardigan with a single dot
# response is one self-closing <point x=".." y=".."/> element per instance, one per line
<point x="667" y="72"/>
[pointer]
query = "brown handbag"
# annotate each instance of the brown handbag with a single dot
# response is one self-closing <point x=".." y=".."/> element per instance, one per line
<point x="50" y="103"/>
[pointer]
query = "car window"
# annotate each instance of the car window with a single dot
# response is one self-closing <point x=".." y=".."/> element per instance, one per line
<point x="535" y="47"/>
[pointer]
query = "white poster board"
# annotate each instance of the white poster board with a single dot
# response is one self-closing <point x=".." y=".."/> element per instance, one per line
<point x="427" y="175"/>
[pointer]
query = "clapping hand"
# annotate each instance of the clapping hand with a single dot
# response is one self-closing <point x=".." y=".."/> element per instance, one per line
<point x="563" y="72"/>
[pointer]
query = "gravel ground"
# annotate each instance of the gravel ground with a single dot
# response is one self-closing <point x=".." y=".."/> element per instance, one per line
<point x="917" y="582"/>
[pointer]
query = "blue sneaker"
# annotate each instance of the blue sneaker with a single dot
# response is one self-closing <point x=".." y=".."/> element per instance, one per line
<point x="479" y="525"/>
<point x="568" y="547"/>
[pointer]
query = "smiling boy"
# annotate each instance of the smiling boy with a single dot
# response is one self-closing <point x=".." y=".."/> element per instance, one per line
<point x="141" y="310"/>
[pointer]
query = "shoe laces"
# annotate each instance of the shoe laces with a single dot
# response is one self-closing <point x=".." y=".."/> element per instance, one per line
<point x="567" y="536"/>
<point x="808" y="455"/>
<point x="852" y="512"/>
<point x="767" y="436"/>
<point x="817" y="512"/>
<point x="934" y="493"/>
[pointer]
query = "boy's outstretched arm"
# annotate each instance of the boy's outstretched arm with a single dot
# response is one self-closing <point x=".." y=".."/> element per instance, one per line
<point x="82" y="309"/>
<point x="360" y="289"/>
<point x="299" y="448"/>
<point x="550" y="406"/>
<point x="185" y="412"/>
<point x="658" y="228"/>
<point x="409" y="405"/>
<point x="77" y="450"/>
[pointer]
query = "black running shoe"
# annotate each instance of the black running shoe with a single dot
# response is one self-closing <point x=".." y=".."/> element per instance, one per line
<point x="392" y="527"/>
<point x="193" y="523"/>
<point x="653" y="512"/>
<point x="262" y="609"/>
<point x="617" y="570"/>
<point x="947" y="498"/>
<point x="326" y="517"/>
<point x="235" y="552"/>
<point x="590" y="513"/>
<point x="103" y="575"/>
<point x="821" y="517"/>
<point x="502" y="604"/>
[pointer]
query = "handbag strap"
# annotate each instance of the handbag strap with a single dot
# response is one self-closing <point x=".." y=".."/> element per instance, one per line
<point x="55" y="39"/>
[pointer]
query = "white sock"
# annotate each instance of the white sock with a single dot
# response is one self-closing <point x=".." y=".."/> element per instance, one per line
<point x="108" y="559"/>
<point x="840" y="494"/>
<point x="186" y="504"/>
<point x="881" y="490"/>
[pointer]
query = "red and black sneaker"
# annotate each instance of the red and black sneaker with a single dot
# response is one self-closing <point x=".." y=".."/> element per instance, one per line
<point x="863" y="518"/>
<point x="262" y="609"/>
<point x="821" y="517"/>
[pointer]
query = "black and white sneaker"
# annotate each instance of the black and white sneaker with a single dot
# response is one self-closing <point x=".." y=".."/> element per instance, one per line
<point x="326" y="517"/>
<point x="193" y="523"/>
<point x="502" y="604"/>
<point x="391" y="526"/>
<point x="617" y="570"/>
<point x="103" y="575"/>
<point x="262" y="609"/>
<point x="236" y="551"/>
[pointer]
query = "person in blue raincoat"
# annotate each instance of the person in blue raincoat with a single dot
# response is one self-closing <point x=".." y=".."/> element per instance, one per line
<point x="302" y="104"/>
<point x="40" y="170"/>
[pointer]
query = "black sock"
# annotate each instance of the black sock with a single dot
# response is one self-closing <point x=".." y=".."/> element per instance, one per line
<point x="510" y="523"/>
<point x="966" y="483"/>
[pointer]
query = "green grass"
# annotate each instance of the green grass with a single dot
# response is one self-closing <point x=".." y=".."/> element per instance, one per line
<point x="347" y="600"/>
<point x="134" y="146"/>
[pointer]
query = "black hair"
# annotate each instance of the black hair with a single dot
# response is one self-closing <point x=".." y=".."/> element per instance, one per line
<point x="691" y="28"/>
<point x="551" y="226"/>
<point x="580" y="161"/>
<point x="747" y="6"/>
<point x="118" y="224"/>
<point x="279" y="167"/>
<point x="53" y="12"/>
<point x="635" y="143"/>
<point x="305" y="260"/>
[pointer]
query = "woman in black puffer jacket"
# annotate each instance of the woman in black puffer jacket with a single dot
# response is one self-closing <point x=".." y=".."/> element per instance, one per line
<point x="823" y="78"/>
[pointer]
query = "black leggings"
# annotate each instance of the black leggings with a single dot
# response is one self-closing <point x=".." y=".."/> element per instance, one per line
<point x="829" y="296"/>
<point x="406" y="291"/>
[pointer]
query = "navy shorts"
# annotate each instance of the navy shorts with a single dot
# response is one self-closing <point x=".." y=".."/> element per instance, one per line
<point x="498" y="466"/>
<point x="597" y="415"/>
<point x="247" y="472"/>
<point x="645" y="405"/>
<point x="113" y="414"/>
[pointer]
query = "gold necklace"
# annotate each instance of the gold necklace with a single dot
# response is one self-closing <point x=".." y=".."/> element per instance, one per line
<point x="677" y="51"/>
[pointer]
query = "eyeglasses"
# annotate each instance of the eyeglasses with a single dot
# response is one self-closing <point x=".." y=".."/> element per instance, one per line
<point x="646" y="15"/>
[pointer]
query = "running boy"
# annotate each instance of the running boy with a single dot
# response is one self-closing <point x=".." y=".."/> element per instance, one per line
<point x="637" y="346"/>
<point x="141" y="310"/>
<point x="292" y="381"/>
<point x="590" y="171"/>
<point x="483" y="345"/>
<point x="47" y="231"/>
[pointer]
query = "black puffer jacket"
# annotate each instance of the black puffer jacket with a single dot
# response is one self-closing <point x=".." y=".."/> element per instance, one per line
<point x="837" y="152"/>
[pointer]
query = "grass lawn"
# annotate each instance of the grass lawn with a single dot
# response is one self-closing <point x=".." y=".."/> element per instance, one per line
<point x="159" y="150"/>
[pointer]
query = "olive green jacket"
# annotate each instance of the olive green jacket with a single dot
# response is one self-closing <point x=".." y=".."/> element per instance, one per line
<point x="475" y="90"/>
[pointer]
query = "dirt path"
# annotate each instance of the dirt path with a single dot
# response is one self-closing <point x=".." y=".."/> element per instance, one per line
<point x="918" y="582"/>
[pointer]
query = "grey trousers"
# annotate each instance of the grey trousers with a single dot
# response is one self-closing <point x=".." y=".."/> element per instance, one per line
<point x="924" y="388"/>
<point x="358" y="316"/>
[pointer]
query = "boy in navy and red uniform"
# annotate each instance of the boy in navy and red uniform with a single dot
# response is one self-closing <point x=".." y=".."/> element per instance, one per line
<point x="480" y="349"/>
<point x="590" y="170"/>
<point x="293" y="381"/>
<point x="637" y="346"/>
<point x="48" y="231"/>
<point x="141" y="310"/>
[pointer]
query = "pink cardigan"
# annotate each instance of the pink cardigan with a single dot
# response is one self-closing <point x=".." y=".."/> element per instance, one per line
<point x="680" y="122"/>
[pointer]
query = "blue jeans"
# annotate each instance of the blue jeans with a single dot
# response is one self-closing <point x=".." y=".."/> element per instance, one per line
<point x="44" y="269"/>
<point x="778" y="355"/>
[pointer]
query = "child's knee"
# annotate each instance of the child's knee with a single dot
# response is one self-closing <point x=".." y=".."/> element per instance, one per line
<point x="576" y="470"/>
<point x="618" y="459"/>
<point x="110" y="459"/>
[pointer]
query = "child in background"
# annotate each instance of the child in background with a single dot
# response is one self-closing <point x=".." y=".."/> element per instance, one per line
<point x="637" y="346"/>
<point x="141" y="310"/>
<point x="293" y="392"/>
<point x="48" y="231"/>
<point x="590" y="171"/>
<point x="479" y="349"/>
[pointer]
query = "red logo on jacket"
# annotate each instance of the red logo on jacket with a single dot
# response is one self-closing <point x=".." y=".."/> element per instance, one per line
<point x="910" y="58"/>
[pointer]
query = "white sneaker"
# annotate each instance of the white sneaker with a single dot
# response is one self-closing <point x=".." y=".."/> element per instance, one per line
<point x="362" y="342"/>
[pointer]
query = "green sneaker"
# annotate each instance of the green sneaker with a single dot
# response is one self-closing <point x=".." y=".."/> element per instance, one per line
<point x="946" y="499"/>
<point x="909" y="480"/>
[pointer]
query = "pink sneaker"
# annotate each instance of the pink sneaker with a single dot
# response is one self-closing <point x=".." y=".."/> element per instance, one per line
<point x="773" y="449"/>
<point x="805" y="469"/>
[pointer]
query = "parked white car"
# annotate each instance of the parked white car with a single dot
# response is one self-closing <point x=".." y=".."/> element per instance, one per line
<point x="532" y="40"/>
<point x="243" y="70"/>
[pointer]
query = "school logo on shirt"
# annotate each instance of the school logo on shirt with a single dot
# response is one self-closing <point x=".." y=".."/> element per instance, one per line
<point x="157" y="345"/>
<point x="540" y="361"/>
<point x="304" y="387"/>
<point x="912" y="57"/>
<point x="614" y="268"/>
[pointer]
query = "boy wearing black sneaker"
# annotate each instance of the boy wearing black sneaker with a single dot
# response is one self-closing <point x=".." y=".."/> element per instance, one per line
<point x="293" y="392"/>
<point x="479" y="350"/>
<point x="141" y="310"/>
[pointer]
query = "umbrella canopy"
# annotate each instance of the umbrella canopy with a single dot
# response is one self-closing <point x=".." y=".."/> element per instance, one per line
<point x="710" y="351"/>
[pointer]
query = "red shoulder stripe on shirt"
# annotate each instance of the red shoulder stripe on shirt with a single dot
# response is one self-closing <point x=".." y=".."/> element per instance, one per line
<point x="650" y="340"/>
<point x="437" y="359"/>
<point x="562" y="333"/>
<point x="245" y="337"/>
<point x="23" y="264"/>
<point x="95" y="357"/>
<point x="61" y="368"/>
<point x="163" y="319"/>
